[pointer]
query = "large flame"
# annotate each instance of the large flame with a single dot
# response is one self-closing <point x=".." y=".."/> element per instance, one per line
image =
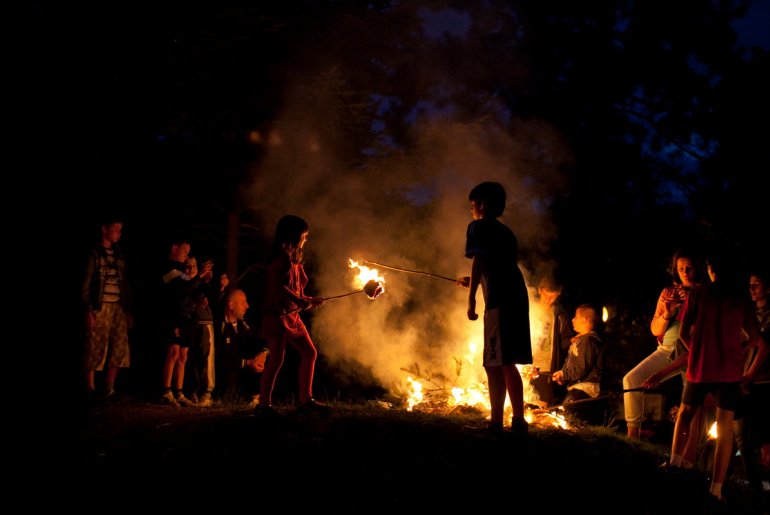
<point x="366" y="274"/>
<point x="476" y="396"/>
<point x="470" y="387"/>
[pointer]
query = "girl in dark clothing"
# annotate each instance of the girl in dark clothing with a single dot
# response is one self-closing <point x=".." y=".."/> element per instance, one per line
<point x="281" y="323"/>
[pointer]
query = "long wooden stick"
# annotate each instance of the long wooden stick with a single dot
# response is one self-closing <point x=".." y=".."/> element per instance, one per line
<point x="410" y="271"/>
<point x="343" y="295"/>
<point x="325" y="299"/>
<point x="606" y="395"/>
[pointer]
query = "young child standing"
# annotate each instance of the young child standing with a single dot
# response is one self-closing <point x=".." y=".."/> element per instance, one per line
<point x="494" y="249"/>
<point x="281" y="322"/>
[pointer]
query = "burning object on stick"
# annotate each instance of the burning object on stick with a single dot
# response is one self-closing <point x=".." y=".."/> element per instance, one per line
<point x="369" y="281"/>
<point x="373" y="289"/>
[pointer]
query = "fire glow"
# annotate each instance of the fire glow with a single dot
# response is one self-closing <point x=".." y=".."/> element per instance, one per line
<point x="366" y="277"/>
<point x="467" y="391"/>
<point x="476" y="396"/>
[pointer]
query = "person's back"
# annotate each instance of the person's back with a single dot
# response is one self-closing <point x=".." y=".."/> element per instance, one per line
<point x="502" y="281"/>
<point x="717" y="318"/>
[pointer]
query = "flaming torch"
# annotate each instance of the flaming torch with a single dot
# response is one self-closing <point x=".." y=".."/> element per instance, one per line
<point x="367" y="280"/>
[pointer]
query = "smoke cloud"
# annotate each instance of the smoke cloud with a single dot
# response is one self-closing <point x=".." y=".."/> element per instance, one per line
<point x="410" y="211"/>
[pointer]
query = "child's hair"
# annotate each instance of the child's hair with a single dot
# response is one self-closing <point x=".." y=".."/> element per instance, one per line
<point x="730" y="278"/>
<point x="289" y="230"/>
<point x="108" y="220"/>
<point x="492" y="194"/>
<point x="588" y="311"/>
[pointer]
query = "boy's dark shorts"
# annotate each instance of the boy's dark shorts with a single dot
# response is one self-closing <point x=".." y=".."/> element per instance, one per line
<point x="727" y="395"/>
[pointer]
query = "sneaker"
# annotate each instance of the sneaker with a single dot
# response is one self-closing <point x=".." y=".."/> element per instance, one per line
<point x="205" y="401"/>
<point x="313" y="405"/>
<point x="184" y="401"/>
<point x="193" y="397"/>
<point x="519" y="426"/>
<point x="168" y="398"/>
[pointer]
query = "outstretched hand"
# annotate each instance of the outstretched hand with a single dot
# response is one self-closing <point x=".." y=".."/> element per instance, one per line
<point x="315" y="302"/>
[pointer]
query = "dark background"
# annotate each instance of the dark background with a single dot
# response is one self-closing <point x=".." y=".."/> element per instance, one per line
<point x="135" y="108"/>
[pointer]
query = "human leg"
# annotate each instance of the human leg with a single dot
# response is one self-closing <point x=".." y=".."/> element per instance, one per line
<point x="209" y="377"/>
<point x="179" y="367"/>
<point x="277" y="347"/>
<point x="118" y="348"/>
<point x="723" y="450"/>
<point x="172" y="355"/>
<point x="497" y="392"/>
<point x="749" y="431"/>
<point x="109" y="381"/>
<point x="633" y="402"/>
<point x="515" y="389"/>
<point x="90" y="380"/>
<point x="690" y="452"/>
<point x="95" y="355"/>
<point x="307" y="358"/>
<point x="681" y="432"/>
<point x="179" y="374"/>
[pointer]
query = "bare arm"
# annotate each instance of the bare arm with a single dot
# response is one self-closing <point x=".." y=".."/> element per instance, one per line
<point x="476" y="271"/>
<point x="666" y="309"/>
